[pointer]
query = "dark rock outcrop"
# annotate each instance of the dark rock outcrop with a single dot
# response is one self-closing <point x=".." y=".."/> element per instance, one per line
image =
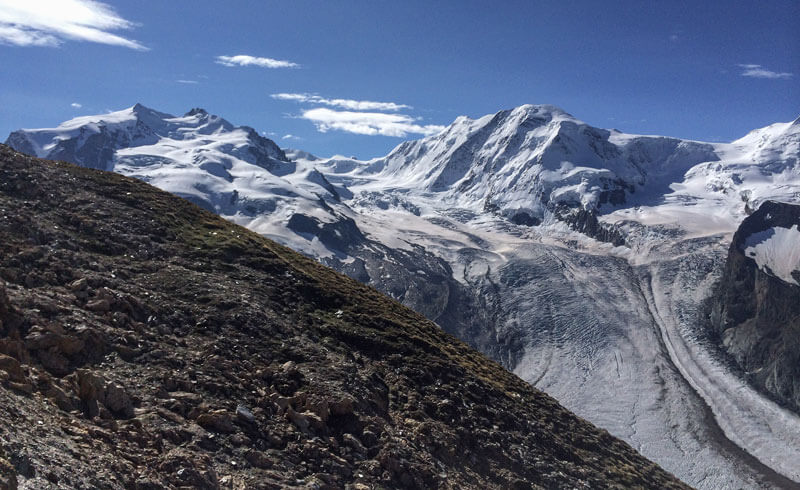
<point x="756" y="315"/>
<point x="586" y="222"/>
<point x="211" y="357"/>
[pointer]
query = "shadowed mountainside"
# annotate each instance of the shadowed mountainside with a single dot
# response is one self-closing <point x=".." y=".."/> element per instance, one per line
<point x="755" y="312"/>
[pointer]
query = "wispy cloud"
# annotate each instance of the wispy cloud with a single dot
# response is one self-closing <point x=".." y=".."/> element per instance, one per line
<point x="246" y="60"/>
<point x="190" y="82"/>
<point x="76" y="105"/>
<point x="355" y="105"/>
<point x="51" y="22"/>
<point x="369" y="123"/>
<point x="291" y="137"/>
<point x="758" y="71"/>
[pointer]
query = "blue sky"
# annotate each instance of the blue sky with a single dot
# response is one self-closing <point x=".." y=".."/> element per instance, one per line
<point x="700" y="70"/>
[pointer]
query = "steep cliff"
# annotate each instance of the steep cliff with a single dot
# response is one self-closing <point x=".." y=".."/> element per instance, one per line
<point x="756" y="307"/>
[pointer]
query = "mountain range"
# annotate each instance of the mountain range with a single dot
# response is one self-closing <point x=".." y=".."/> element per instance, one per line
<point x="585" y="260"/>
<point x="146" y="343"/>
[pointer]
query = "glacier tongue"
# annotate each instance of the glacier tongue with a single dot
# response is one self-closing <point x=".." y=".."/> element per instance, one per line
<point x="476" y="228"/>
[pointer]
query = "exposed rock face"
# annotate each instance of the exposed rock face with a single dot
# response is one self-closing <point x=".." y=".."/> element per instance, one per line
<point x="149" y="344"/>
<point x="756" y="308"/>
<point x="587" y="223"/>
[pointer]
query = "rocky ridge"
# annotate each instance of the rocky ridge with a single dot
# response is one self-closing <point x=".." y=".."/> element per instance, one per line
<point x="755" y="313"/>
<point x="146" y="343"/>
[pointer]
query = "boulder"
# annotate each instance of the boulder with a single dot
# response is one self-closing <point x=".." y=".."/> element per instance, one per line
<point x="343" y="406"/>
<point x="90" y="387"/>
<point x="353" y="442"/>
<point x="8" y="475"/>
<point x="38" y="338"/>
<point x="99" y="305"/>
<point x="258" y="459"/>
<point x="79" y="285"/>
<point x="244" y="414"/>
<point x="304" y="420"/>
<point x="118" y="401"/>
<point x="5" y="303"/>
<point x="12" y="367"/>
<point x="217" y="421"/>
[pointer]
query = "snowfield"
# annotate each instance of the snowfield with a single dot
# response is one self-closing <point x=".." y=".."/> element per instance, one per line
<point x="614" y="332"/>
<point x="776" y="251"/>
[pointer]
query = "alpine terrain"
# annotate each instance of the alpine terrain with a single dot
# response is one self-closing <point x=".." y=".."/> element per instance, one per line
<point x="146" y="343"/>
<point x="598" y="266"/>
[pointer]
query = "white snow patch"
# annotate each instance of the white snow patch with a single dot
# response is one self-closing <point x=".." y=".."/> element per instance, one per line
<point x="776" y="251"/>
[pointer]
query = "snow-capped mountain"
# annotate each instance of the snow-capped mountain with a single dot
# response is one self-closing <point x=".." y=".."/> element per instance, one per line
<point x="535" y="163"/>
<point x="230" y="170"/>
<point x="763" y="165"/>
<point x="528" y="161"/>
<point x="93" y="140"/>
<point x="581" y="258"/>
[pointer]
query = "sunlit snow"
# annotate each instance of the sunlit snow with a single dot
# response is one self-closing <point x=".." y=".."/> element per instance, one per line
<point x="776" y="251"/>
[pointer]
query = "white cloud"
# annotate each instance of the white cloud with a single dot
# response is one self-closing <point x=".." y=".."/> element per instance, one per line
<point x="369" y="123"/>
<point x="190" y="82"/>
<point x="291" y="137"/>
<point x="355" y="105"/>
<point x="51" y="22"/>
<point x="758" y="71"/>
<point x="76" y="105"/>
<point x="245" y="60"/>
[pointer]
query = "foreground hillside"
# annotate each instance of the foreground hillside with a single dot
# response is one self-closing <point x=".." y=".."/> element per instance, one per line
<point x="147" y="343"/>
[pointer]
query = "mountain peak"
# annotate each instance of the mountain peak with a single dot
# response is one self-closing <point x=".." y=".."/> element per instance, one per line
<point x="140" y="108"/>
<point x="196" y="111"/>
<point x="541" y="109"/>
<point x="540" y="113"/>
<point x="150" y="117"/>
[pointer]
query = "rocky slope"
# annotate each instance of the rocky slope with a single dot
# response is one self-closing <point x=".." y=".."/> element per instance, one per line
<point x="755" y="310"/>
<point x="147" y="343"/>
